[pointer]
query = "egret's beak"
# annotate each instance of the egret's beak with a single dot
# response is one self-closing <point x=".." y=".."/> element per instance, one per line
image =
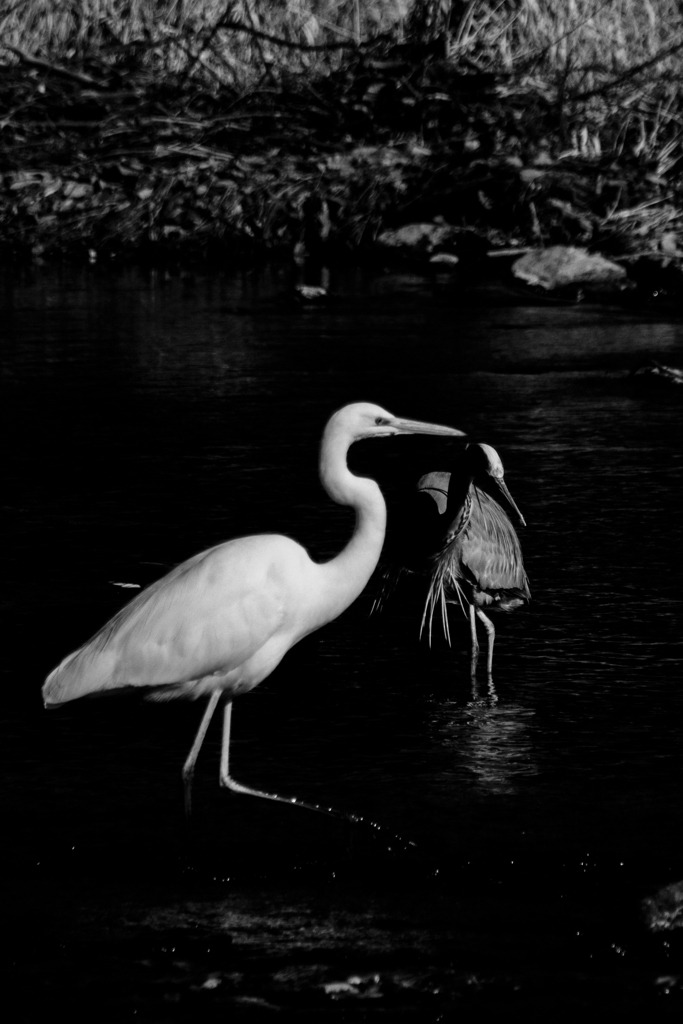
<point x="416" y="427"/>
<point x="504" y="488"/>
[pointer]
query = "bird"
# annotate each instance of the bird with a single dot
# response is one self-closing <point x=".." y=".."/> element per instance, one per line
<point x="479" y="563"/>
<point x="475" y="560"/>
<point x="219" y="623"/>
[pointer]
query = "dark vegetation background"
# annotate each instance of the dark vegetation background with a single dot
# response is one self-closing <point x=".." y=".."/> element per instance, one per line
<point x="191" y="126"/>
<point x="139" y="409"/>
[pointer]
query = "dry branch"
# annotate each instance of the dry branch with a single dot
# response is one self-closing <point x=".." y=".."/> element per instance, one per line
<point x="632" y="72"/>
<point x="55" y="69"/>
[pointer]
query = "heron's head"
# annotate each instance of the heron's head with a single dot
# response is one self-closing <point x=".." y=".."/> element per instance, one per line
<point x="363" y="419"/>
<point x="482" y="458"/>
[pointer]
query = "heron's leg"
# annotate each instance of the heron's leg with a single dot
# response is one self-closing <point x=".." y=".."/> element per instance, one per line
<point x="188" y="767"/>
<point x="490" y="629"/>
<point x="475" y="643"/>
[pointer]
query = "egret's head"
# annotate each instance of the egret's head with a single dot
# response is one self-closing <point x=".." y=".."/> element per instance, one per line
<point x="483" y="458"/>
<point x="363" y="419"/>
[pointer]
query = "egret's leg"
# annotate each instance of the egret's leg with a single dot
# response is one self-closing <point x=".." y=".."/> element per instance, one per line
<point x="227" y="780"/>
<point x="490" y="629"/>
<point x="475" y="643"/>
<point x="188" y="767"/>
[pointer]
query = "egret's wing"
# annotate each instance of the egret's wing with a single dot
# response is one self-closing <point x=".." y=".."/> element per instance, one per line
<point x="209" y="615"/>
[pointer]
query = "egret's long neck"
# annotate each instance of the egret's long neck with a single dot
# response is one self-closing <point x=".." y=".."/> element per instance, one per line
<point x="344" y="577"/>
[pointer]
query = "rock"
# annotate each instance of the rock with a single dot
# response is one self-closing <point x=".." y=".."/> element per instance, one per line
<point x="419" y="238"/>
<point x="311" y="294"/>
<point x="563" y="265"/>
<point x="447" y="258"/>
<point x="670" y="374"/>
<point x="669" y="244"/>
<point x="362" y="987"/>
<point x="664" y="910"/>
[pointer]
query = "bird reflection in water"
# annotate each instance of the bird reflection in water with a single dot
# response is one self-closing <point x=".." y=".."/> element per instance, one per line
<point x="491" y="740"/>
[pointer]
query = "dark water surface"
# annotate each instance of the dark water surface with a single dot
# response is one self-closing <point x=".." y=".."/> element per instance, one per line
<point x="149" y="416"/>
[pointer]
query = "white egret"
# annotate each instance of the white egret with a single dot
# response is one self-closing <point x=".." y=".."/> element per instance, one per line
<point x="219" y="623"/>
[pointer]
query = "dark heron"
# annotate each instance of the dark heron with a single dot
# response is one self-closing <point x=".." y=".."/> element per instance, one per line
<point x="454" y="531"/>
<point x="218" y="624"/>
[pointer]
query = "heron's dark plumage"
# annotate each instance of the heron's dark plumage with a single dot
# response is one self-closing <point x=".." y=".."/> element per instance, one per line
<point x="480" y="562"/>
<point x="454" y="531"/>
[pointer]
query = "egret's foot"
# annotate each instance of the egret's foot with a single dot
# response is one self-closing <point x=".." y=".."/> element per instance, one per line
<point x="355" y="819"/>
<point x="228" y="782"/>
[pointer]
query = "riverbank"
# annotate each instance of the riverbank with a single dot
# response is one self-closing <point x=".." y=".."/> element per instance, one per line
<point x="108" y="161"/>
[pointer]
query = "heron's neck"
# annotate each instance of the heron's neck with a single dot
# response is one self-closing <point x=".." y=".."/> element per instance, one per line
<point x="344" y="577"/>
<point x="459" y="506"/>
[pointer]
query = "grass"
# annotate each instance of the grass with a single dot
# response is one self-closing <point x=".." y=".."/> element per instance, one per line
<point x="578" y="139"/>
<point x="572" y="45"/>
<point x="611" y="67"/>
<point x="198" y="36"/>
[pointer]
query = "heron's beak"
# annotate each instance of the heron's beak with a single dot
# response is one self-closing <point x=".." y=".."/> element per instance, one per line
<point x="508" y="497"/>
<point x="416" y="427"/>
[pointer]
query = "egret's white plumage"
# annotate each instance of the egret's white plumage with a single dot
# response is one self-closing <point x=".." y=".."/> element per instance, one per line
<point x="218" y="624"/>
